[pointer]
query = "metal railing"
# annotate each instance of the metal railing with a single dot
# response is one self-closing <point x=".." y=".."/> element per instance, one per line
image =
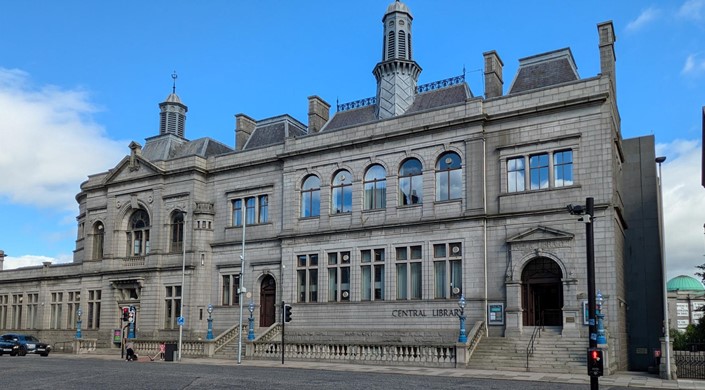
<point x="420" y="89"/>
<point x="530" y="347"/>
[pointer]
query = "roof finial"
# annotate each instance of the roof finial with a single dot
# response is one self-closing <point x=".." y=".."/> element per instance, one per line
<point x="174" y="76"/>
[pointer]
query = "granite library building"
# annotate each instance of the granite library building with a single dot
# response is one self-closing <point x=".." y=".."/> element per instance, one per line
<point x="383" y="222"/>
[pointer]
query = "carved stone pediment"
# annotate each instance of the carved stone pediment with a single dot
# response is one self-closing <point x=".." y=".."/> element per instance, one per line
<point x="540" y="233"/>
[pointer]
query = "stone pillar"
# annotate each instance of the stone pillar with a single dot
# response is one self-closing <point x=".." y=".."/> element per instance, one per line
<point x="2" y="258"/>
<point x="662" y="367"/>
<point x="493" y="74"/>
<point x="513" y="313"/>
<point x="244" y="126"/>
<point x="318" y="114"/>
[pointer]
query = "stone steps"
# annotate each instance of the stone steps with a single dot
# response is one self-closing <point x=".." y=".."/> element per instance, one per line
<point x="552" y="353"/>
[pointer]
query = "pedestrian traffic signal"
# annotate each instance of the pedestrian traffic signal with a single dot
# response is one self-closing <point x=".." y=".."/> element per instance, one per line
<point x="125" y="314"/>
<point x="287" y="313"/>
<point x="595" y="362"/>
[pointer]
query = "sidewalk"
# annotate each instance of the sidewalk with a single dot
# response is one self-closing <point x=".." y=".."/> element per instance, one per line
<point x="625" y="379"/>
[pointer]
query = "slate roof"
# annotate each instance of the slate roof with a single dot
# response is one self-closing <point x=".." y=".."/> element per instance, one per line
<point x="423" y="101"/>
<point x="544" y="70"/>
<point x="274" y="131"/>
<point x="168" y="146"/>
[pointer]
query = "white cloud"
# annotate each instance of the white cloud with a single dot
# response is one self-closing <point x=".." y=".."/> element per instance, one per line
<point x="30" y="260"/>
<point x="693" y="65"/>
<point x="48" y="141"/>
<point x="692" y="9"/>
<point x="683" y="200"/>
<point x="647" y="16"/>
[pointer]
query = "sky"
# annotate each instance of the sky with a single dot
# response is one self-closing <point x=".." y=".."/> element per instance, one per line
<point x="80" y="80"/>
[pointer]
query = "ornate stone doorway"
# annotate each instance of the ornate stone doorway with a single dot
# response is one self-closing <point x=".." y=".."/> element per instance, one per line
<point x="542" y="293"/>
<point x="267" y="299"/>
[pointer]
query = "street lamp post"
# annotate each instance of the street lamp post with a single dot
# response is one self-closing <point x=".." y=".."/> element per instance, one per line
<point x="667" y="353"/>
<point x="78" y="323"/>
<point x="251" y="332"/>
<point x="241" y="290"/>
<point x="463" y="338"/>
<point x="181" y="320"/>
<point x="209" y="335"/>
<point x="587" y="218"/>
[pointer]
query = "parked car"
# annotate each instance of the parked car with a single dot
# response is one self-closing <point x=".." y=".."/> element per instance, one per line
<point x="30" y="344"/>
<point x="11" y="347"/>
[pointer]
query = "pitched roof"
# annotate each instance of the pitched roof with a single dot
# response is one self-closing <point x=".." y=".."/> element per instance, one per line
<point x="436" y="98"/>
<point x="168" y="146"/>
<point x="544" y="70"/>
<point x="274" y="131"/>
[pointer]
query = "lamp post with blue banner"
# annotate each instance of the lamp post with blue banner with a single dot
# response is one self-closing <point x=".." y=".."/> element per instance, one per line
<point x="463" y="338"/>
<point x="209" y="335"/>
<point x="78" y="323"/>
<point x="251" y="331"/>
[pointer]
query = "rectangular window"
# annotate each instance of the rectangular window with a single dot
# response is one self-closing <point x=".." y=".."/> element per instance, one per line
<point x="372" y="274"/>
<point x="57" y="299"/>
<point x="237" y="212"/>
<point x="250" y="210"/>
<point x="515" y="174"/>
<point x="17" y="304"/>
<point x="563" y="168"/>
<point x="408" y="269"/>
<point x="338" y="276"/>
<point x="231" y="284"/>
<point x="93" y="320"/>
<point x="682" y="310"/>
<point x="32" y="310"/>
<point x="538" y="171"/>
<point x="256" y="210"/>
<point x="447" y="270"/>
<point x="172" y="306"/>
<point x="263" y="209"/>
<point x="72" y="305"/>
<point x="307" y="275"/>
<point x="4" y="310"/>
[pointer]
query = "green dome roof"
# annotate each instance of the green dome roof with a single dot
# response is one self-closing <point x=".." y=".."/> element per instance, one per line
<point x="684" y="283"/>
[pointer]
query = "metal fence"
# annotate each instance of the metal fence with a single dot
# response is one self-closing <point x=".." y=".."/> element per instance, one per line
<point x="690" y="362"/>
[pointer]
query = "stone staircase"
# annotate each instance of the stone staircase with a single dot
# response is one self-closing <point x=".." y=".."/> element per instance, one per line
<point x="552" y="353"/>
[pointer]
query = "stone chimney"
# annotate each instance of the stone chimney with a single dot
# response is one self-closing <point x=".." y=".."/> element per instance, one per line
<point x="2" y="258"/>
<point x="318" y="114"/>
<point x="607" y="56"/>
<point x="244" y="126"/>
<point x="493" y="74"/>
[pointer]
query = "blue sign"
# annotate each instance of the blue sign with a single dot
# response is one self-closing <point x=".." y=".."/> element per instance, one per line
<point x="180" y="321"/>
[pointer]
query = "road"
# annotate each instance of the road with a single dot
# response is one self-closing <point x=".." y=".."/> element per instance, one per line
<point x="69" y="372"/>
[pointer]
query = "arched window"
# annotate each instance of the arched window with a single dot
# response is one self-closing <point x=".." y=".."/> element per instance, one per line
<point x="390" y="46"/>
<point x="138" y="234"/>
<point x="177" y="231"/>
<point x="449" y="177"/>
<point x="375" y="188"/>
<point x="410" y="182"/>
<point x="98" y="240"/>
<point x="341" y="193"/>
<point x="311" y="197"/>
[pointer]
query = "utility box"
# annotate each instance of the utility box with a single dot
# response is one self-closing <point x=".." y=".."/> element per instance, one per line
<point x="169" y="350"/>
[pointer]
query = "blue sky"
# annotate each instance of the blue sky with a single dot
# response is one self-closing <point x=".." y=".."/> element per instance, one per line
<point x="80" y="80"/>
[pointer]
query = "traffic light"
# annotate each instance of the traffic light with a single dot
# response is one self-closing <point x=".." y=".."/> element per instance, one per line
<point x="595" y="362"/>
<point x="125" y="314"/>
<point x="287" y="313"/>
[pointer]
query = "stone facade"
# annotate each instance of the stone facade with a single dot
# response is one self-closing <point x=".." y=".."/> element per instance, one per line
<point x="471" y="202"/>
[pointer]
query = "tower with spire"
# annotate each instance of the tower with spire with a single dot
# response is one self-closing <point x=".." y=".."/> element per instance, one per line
<point x="172" y="116"/>
<point x="397" y="73"/>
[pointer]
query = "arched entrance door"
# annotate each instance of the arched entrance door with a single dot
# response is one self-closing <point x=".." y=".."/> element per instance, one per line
<point x="542" y="293"/>
<point x="267" y="299"/>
